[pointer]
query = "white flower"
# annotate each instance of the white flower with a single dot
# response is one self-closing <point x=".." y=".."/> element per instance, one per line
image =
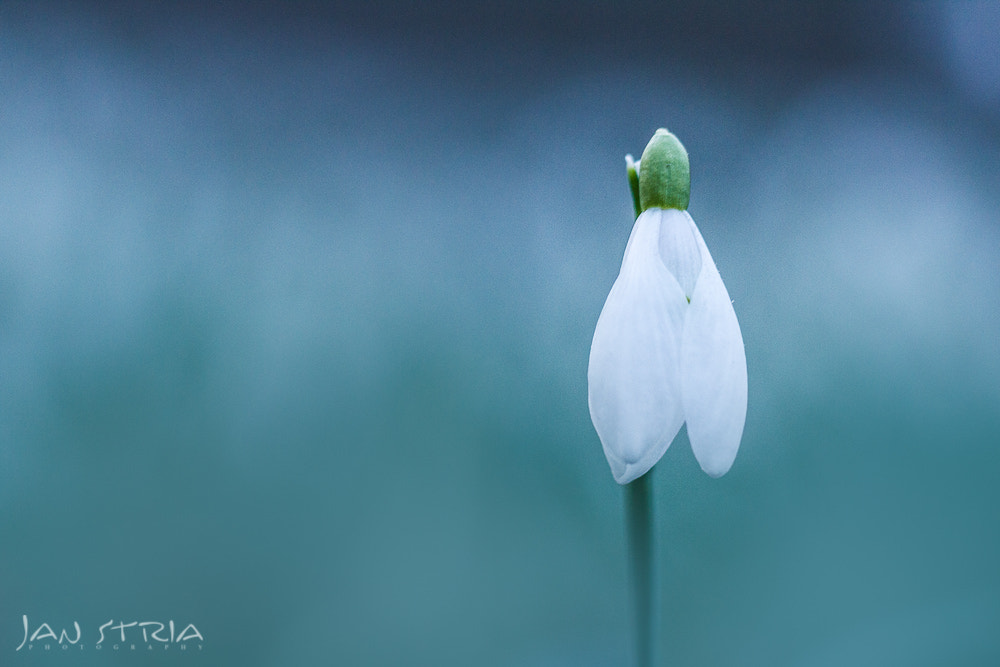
<point x="667" y="350"/>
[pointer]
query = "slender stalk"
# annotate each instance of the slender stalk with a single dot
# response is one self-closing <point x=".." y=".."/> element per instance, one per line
<point x="639" y="524"/>
<point x="633" y="183"/>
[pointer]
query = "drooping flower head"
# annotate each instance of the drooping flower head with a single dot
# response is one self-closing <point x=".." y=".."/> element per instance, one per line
<point x="667" y="348"/>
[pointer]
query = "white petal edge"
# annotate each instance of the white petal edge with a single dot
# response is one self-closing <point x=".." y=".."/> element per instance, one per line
<point x="713" y="370"/>
<point x="633" y="377"/>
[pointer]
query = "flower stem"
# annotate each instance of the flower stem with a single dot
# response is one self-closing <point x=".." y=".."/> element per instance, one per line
<point x="639" y="525"/>
<point x="633" y="183"/>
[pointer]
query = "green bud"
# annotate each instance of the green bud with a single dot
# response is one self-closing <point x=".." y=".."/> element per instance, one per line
<point x="665" y="174"/>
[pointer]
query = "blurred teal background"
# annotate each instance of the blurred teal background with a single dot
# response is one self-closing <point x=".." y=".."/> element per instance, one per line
<point x="296" y="304"/>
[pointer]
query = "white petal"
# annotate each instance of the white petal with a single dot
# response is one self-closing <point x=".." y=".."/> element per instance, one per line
<point x="679" y="248"/>
<point x="713" y="370"/>
<point x="634" y="384"/>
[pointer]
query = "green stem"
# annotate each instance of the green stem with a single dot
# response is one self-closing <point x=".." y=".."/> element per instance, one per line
<point x="633" y="184"/>
<point x="639" y="522"/>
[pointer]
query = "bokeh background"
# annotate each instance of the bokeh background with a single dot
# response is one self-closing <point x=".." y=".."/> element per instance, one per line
<point x="296" y="303"/>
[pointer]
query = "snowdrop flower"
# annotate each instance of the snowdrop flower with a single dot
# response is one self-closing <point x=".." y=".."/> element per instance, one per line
<point x="667" y="348"/>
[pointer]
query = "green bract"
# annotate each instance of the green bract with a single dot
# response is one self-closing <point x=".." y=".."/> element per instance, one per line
<point x="664" y="173"/>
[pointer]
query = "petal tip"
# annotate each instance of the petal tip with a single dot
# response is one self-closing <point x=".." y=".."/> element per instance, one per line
<point x="714" y="469"/>
<point x="629" y="473"/>
<point x="625" y="471"/>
